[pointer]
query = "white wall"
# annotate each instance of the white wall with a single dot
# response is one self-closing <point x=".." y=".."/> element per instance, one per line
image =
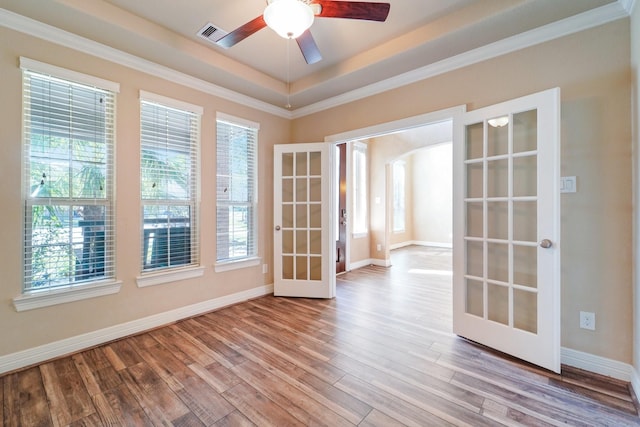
<point x="433" y="199"/>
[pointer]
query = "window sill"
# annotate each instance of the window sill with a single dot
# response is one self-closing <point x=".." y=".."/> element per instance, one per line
<point x="46" y="298"/>
<point x="159" y="278"/>
<point x="360" y="235"/>
<point x="236" y="265"/>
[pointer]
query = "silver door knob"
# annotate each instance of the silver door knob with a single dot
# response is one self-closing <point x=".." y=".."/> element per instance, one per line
<point x="277" y="228"/>
<point x="546" y="243"/>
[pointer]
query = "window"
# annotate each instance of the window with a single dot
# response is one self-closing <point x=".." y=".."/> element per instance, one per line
<point x="237" y="201"/>
<point x="360" y="199"/>
<point x="398" y="196"/>
<point x="170" y="134"/>
<point x="69" y="226"/>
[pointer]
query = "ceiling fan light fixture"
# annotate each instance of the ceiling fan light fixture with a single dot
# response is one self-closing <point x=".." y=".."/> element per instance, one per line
<point x="288" y="18"/>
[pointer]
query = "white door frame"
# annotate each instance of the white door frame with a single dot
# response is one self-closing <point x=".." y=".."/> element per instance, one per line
<point x="453" y="114"/>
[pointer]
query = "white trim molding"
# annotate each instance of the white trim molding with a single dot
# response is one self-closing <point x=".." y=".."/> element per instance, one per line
<point x="597" y="364"/>
<point x="635" y="382"/>
<point x="45" y="298"/>
<point x="22" y="359"/>
<point x="160" y="278"/>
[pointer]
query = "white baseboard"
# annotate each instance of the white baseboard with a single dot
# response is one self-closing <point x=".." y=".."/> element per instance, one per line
<point x="421" y="243"/>
<point x="381" y="262"/>
<point x="22" y="359"/>
<point x="635" y="382"/>
<point x="598" y="365"/>
<point x="359" y="264"/>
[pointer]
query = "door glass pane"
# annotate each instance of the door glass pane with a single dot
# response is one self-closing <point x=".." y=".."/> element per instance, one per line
<point x="474" y="259"/>
<point x="474" y="180"/>
<point x="497" y="220"/>
<point x="287" y="267"/>
<point x="315" y="190"/>
<point x="474" y="219"/>
<point x="301" y="242"/>
<point x="497" y="137"/>
<point x="287" y="216"/>
<point x="524" y="221"/>
<point x="525" y="265"/>
<point x="525" y="310"/>
<point x="315" y="215"/>
<point x="474" y="141"/>
<point x="315" y="242"/>
<point x="287" y="190"/>
<point x="497" y="178"/>
<point x="498" y="303"/>
<point x="287" y="164"/>
<point x="301" y="216"/>
<point x="301" y="268"/>
<point x="287" y="242"/>
<point x="474" y="297"/>
<point x="301" y="189"/>
<point x="525" y="131"/>
<point x="315" y="163"/>
<point x="498" y="262"/>
<point x="315" y="268"/>
<point x="301" y="164"/>
<point x="525" y="176"/>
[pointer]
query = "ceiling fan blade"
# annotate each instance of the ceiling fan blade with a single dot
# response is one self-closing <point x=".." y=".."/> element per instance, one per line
<point x="242" y="32"/>
<point x="353" y="10"/>
<point x="309" y="48"/>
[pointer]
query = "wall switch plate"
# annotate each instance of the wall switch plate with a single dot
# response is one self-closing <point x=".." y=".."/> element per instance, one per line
<point x="588" y="320"/>
<point x="265" y="268"/>
<point x="568" y="184"/>
<point x="379" y="247"/>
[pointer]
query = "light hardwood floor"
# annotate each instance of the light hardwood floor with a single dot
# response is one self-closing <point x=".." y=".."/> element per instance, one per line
<point x="380" y="354"/>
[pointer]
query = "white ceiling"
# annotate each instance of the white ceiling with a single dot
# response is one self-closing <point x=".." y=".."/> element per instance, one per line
<point x="356" y="54"/>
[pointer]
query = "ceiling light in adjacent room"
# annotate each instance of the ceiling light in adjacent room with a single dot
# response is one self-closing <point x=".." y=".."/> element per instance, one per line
<point x="499" y="121"/>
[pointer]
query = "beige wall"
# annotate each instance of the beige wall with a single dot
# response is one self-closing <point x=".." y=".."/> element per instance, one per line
<point x="32" y="328"/>
<point x="592" y="70"/>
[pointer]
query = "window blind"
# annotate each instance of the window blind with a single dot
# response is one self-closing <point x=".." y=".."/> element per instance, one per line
<point x="236" y="189"/>
<point x="68" y="179"/>
<point x="169" y="186"/>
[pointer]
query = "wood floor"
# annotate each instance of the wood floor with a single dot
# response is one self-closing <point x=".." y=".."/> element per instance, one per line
<point x="380" y="354"/>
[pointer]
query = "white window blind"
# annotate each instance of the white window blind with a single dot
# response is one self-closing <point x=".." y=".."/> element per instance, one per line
<point x="169" y="185"/>
<point x="68" y="179"/>
<point x="399" y="190"/>
<point x="360" y="199"/>
<point x="237" y="207"/>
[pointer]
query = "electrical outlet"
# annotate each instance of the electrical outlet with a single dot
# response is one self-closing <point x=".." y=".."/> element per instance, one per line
<point x="265" y="268"/>
<point x="588" y="320"/>
<point x="379" y="247"/>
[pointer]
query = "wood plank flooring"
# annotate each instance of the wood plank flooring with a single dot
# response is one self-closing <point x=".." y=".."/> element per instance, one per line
<point x="380" y="354"/>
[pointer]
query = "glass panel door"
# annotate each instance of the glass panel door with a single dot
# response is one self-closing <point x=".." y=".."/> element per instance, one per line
<point x="507" y="234"/>
<point x="302" y="201"/>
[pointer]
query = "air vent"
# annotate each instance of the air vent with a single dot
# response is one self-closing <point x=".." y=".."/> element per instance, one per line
<point x="212" y="33"/>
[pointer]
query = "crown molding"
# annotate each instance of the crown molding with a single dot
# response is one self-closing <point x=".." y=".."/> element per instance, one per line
<point x="565" y="27"/>
<point x="628" y="5"/>
<point x="55" y="35"/>
<point x="584" y="21"/>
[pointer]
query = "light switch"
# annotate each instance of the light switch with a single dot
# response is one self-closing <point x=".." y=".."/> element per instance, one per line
<point x="568" y="184"/>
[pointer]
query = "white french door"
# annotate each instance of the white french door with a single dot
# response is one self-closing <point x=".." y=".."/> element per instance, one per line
<point x="304" y="244"/>
<point x="506" y="291"/>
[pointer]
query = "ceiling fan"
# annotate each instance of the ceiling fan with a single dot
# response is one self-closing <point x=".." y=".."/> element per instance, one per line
<point x="291" y="19"/>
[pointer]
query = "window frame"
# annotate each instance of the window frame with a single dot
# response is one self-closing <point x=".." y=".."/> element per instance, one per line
<point x="399" y="195"/>
<point x="360" y="198"/>
<point x="252" y="203"/>
<point x="169" y="273"/>
<point x="96" y="284"/>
